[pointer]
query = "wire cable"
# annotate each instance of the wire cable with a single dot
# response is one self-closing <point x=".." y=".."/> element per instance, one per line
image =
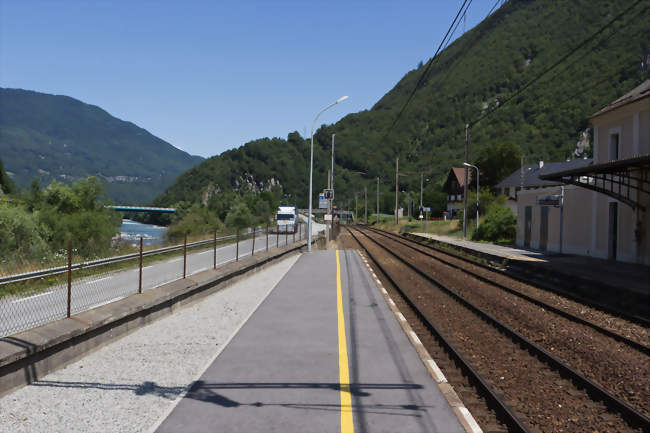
<point x="557" y="63"/>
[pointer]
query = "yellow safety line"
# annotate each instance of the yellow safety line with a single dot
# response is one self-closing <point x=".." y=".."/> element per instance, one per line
<point x="347" y="426"/>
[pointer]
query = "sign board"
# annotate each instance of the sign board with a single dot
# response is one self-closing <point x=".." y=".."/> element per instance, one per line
<point x="427" y="209"/>
<point x="550" y="200"/>
<point x="328" y="217"/>
<point x="322" y="201"/>
<point x="329" y="194"/>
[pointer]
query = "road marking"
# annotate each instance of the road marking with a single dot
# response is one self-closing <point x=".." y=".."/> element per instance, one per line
<point x="101" y="279"/>
<point x="347" y="426"/>
<point x="206" y="252"/>
<point x="106" y="302"/>
<point x="175" y="260"/>
<point x="415" y="338"/>
<point x="473" y="425"/>
<point x="30" y="297"/>
<point x="439" y="377"/>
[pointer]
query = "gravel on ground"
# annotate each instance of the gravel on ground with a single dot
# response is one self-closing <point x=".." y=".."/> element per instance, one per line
<point x="130" y="384"/>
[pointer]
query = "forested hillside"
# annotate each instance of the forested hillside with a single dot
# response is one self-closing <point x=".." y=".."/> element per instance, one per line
<point x="473" y="77"/>
<point x="52" y="137"/>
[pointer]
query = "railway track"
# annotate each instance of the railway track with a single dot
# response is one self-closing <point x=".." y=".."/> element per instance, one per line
<point x="489" y="277"/>
<point x="542" y="391"/>
<point x="549" y="288"/>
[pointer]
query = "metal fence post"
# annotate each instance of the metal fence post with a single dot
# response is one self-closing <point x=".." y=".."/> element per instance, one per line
<point x="140" y="280"/>
<point x="69" y="275"/>
<point x="277" y="236"/>
<point x="294" y="233"/>
<point x="253" y="249"/>
<point x="237" y="250"/>
<point x="267" y="236"/>
<point x="185" y="256"/>
<point x="214" y="258"/>
<point x="286" y="236"/>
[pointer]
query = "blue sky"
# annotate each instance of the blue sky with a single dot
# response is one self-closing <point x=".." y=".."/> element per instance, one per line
<point x="211" y="75"/>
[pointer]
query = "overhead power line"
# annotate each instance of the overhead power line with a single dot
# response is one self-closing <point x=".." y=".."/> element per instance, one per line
<point x="428" y="67"/>
<point x="558" y="62"/>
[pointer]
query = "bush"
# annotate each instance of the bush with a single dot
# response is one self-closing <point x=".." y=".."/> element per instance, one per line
<point x="21" y="235"/>
<point x="500" y="225"/>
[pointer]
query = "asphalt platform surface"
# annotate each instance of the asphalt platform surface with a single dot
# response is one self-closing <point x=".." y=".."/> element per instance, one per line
<point x="280" y="373"/>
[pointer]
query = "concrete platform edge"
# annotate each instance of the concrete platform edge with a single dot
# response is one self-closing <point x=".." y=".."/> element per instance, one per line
<point x="462" y="413"/>
<point x="29" y="355"/>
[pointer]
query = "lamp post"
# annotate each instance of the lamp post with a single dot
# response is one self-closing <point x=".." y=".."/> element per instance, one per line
<point x="470" y="165"/>
<point x="311" y="168"/>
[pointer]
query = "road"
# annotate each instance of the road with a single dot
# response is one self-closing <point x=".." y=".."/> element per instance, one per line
<point x="22" y="313"/>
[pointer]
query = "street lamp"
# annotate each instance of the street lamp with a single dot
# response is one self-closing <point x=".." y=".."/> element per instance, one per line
<point x="470" y="165"/>
<point x="311" y="168"/>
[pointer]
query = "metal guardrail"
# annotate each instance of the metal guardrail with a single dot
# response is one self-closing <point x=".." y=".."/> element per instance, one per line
<point x="26" y="276"/>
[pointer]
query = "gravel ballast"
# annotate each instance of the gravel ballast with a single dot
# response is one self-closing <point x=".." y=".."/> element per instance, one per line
<point x="132" y="383"/>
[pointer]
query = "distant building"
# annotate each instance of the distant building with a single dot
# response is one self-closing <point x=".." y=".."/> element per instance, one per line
<point x="454" y="187"/>
<point x="527" y="178"/>
<point x="605" y="208"/>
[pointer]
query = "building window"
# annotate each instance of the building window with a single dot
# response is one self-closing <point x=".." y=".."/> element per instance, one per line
<point x="613" y="146"/>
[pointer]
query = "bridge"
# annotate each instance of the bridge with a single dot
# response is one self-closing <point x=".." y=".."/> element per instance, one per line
<point x="142" y="209"/>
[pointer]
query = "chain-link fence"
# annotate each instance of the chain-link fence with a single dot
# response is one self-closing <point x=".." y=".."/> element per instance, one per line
<point x="33" y="293"/>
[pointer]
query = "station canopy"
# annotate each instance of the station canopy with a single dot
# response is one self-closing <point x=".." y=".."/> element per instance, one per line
<point x="617" y="179"/>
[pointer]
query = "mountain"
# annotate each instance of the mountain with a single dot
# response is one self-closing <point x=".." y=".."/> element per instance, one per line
<point x="479" y="74"/>
<point x="57" y="137"/>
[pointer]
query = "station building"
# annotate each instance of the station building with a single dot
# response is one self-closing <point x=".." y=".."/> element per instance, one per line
<point x="599" y="207"/>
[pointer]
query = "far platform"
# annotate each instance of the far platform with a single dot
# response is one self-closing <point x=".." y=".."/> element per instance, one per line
<point x="630" y="276"/>
<point x="284" y="371"/>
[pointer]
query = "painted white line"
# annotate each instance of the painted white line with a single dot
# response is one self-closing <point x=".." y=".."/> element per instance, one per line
<point x="101" y="279"/>
<point x="206" y="252"/>
<point x="415" y="338"/>
<point x="175" y="260"/>
<point x="401" y="317"/>
<point x="148" y="267"/>
<point x="473" y="425"/>
<point x="106" y="302"/>
<point x="439" y="377"/>
<point x="201" y="270"/>
<point x="31" y="297"/>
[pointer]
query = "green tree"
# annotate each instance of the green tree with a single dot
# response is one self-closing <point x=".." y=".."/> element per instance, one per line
<point x="6" y="184"/>
<point x="498" y="161"/>
<point x="21" y="235"/>
<point x="500" y="225"/>
<point x="239" y="216"/>
<point x="262" y="211"/>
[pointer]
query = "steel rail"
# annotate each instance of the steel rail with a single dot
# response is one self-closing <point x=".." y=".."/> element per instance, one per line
<point x="577" y="298"/>
<point x="597" y="392"/>
<point x="504" y="413"/>
<point x="635" y="344"/>
<point x="26" y="276"/>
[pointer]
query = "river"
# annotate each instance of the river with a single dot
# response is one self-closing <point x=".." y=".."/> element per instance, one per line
<point x="131" y="231"/>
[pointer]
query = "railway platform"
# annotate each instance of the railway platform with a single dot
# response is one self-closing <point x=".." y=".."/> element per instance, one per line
<point x="322" y="353"/>
<point x="611" y="274"/>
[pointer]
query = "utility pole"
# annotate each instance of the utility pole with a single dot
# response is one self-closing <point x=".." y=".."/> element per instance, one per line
<point x="421" y="187"/>
<point x="365" y="195"/>
<point x="328" y="225"/>
<point x="377" y="200"/>
<point x="333" y="135"/>
<point x="397" y="189"/>
<point x="356" y="206"/>
<point x="466" y="182"/>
